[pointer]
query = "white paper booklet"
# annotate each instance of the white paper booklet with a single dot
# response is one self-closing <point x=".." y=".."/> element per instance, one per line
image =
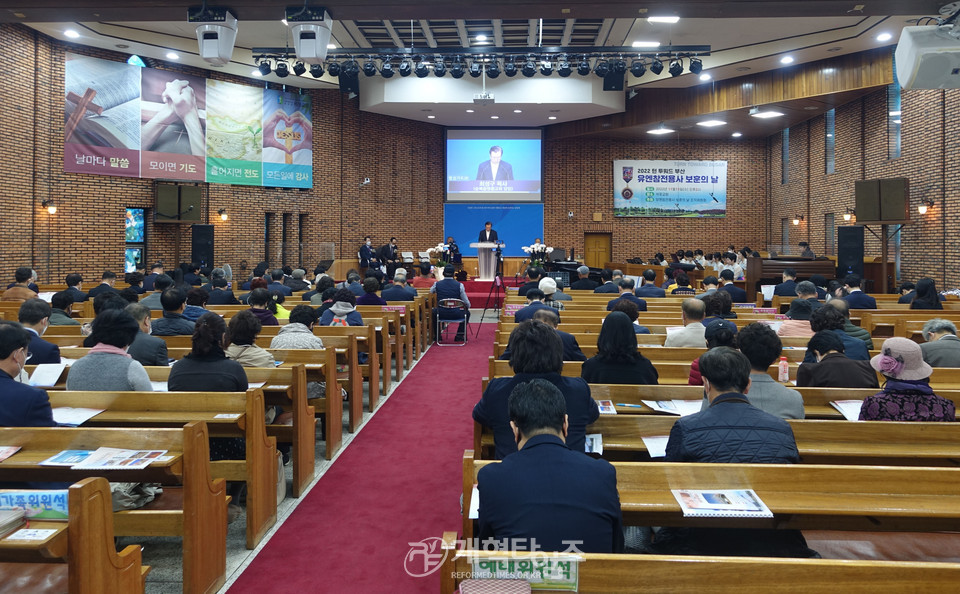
<point x="850" y="409"/>
<point x="719" y="503"/>
<point x="656" y="445"/>
<point x="675" y="407"/>
<point x="74" y="417"/>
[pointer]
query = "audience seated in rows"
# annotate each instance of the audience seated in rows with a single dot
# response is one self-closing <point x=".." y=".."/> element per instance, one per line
<point x="710" y="286"/>
<point x="617" y="360"/>
<point x="833" y="369"/>
<point x="762" y="347"/>
<point x="649" y="287"/>
<point x="737" y="294"/>
<point x="626" y="294"/>
<point x="533" y="280"/>
<point x="551" y="296"/>
<point x="107" y="280"/>
<point x="31" y="282"/>
<point x="20" y="290"/>
<point x="536" y="351"/>
<point x="607" y="284"/>
<point x="718" y="306"/>
<point x="545" y="493"/>
<point x="370" y="297"/>
<point x="259" y="301"/>
<point x="148" y="350"/>
<point x="173" y="323"/>
<point x="196" y="303"/>
<point x="61" y="309"/>
<point x="276" y="283"/>
<point x="241" y="341"/>
<point x="135" y="282"/>
<point x="830" y="318"/>
<point x="399" y="290"/>
<point x="108" y="366"/>
<point x="257" y="283"/>
<point x="34" y="316"/>
<point x="218" y="291"/>
<point x="682" y="286"/>
<point x="584" y="282"/>
<point x="906" y="394"/>
<point x="451" y="288"/>
<point x="21" y="405"/>
<point x="787" y="288"/>
<point x="691" y="335"/>
<point x="534" y="303"/>
<point x="343" y="310"/>
<point x="315" y="297"/>
<point x="807" y="290"/>
<point x="718" y="332"/>
<point x="425" y="279"/>
<point x="849" y="327"/>
<point x="907" y="291"/>
<point x="942" y="347"/>
<point x="160" y="284"/>
<point x="856" y="298"/>
<point x="731" y="430"/>
<point x="74" y="284"/>
<point x="296" y="280"/>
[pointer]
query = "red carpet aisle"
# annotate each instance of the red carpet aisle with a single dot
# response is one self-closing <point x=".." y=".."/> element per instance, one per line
<point x="397" y="483"/>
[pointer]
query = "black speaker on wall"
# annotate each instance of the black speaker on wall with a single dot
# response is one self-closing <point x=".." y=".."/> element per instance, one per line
<point x="849" y="250"/>
<point x="202" y="252"/>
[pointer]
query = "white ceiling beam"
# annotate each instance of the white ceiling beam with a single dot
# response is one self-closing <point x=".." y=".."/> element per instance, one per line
<point x="498" y="32"/>
<point x="393" y="34"/>
<point x="462" y="31"/>
<point x="567" y="31"/>
<point x="427" y="33"/>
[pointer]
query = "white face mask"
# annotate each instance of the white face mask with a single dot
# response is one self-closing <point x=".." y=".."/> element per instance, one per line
<point x="368" y="243"/>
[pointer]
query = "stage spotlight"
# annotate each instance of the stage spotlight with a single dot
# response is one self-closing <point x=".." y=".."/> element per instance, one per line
<point x="405" y="68"/>
<point x="583" y="67"/>
<point x="696" y="66"/>
<point x="316" y="70"/>
<point x="529" y="68"/>
<point x="456" y="69"/>
<point x="439" y="67"/>
<point x="546" y="67"/>
<point x="656" y="66"/>
<point x="264" y="67"/>
<point x="493" y="69"/>
<point x="638" y="68"/>
<point x="676" y="67"/>
<point x="369" y="68"/>
<point x="509" y="67"/>
<point x="602" y="68"/>
<point x="299" y="68"/>
<point x="334" y="69"/>
<point x="563" y="67"/>
<point x="475" y="69"/>
<point x="386" y="69"/>
<point x="619" y="66"/>
<point x="282" y="69"/>
<point x="421" y="69"/>
<point x="350" y="69"/>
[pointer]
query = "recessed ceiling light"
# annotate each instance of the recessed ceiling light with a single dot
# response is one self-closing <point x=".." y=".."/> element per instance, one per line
<point x="711" y="123"/>
<point x="173" y="56"/>
<point x="736" y="134"/>
<point x="494" y="117"/>
<point x="704" y="76"/>
<point x="663" y="19"/>
<point x="481" y="37"/>
<point x="786" y="60"/>
<point x="122" y="46"/>
<point x="884" y="37"/>
<point x="646" y="44"/>
<point x="71" y="34"/>
<point x="469" y="111"/>
<point x="331" y="46"/>
<point x="743" y="68"/>
<point x="431" y="117"/>
<point x="517" y="111"/>
<point x="551" y="117"/>
<point x="660" y="130"/>
<point x="763" y="115"/>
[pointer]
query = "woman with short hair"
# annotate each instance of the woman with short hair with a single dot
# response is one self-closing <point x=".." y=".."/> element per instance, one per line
<point x="108" y="367"/>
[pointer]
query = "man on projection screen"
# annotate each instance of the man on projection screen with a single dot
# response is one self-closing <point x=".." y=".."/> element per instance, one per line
<point x="495" y="169"/>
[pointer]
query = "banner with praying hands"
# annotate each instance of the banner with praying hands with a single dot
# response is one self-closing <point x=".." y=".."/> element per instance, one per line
<point x="126" y="120"/>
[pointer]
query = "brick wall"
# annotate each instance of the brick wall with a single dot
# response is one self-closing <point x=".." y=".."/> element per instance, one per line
<point x="929" y="159"/>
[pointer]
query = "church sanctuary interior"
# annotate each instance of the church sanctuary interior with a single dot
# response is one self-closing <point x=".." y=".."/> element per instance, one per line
<point x="329" y="370"/>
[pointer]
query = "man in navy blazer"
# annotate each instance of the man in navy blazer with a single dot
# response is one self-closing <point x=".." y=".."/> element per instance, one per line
<point x="368" y="258"/>
<point x="534" y="302"/>
<point x="496" y="169"/>
<point x="857" y="299"/>
<point x="649" y="287"/>
<point x="34" y="315"/>
<point x="737" y="295"/>
<point x="398" y="291"/>
<point x="277" y="285"/>
<point x="547" y="495"/>
<point x="488" y="234"/>
<point x="21" y="405"/>
<point x="788" y="288"/>
<point x="626" y="294"/>
<point x="74" y="284"/>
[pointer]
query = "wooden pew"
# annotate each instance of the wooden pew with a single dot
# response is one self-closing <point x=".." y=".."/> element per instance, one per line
<point x="85" y="542"/>
<point x="227" y="414"/>
<point x="197" y="511"/>
<point x="367" y="342"/>
<point x="801" y="496"/>
<point x="725" y="575"/>
<point x="401" y="333"/>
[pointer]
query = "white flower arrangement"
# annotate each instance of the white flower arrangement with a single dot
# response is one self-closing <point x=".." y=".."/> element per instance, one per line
<point x="537" y="249"/>
<point x="441" y="247"/>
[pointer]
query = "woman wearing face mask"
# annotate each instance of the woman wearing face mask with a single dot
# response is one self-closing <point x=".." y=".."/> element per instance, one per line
<point x="20" y="405"/>
<point x="368" y="257"/>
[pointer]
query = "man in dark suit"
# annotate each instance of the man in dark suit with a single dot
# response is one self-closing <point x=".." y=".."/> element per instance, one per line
<point x="34" y="316"/>
<point x="399" y="290"/>
<point x="731" y="430"/>
<point x="368" y="258"/>
<point x="584" y="283"/>
<point x="942" y="346"/>
<point x="488" y="234"/>
<point x="546" y="492"/>
<point x="21" y="405"/>
<point x="155" y="271"/>
<point x="496" y="169"/>
<point x="148" y="350"/>
<point x="788" y="288"/>
<point x="606" y="282"/>
<point x="907" y="292"/>
<point x="857" y="299"/>
<point x="737" y="294"/>
<point x="533" y="282"/>
<point x="296" y="281"/>
<point x="807" y="290"/>
<point x="107" y="280"/>
<point x="626" y="294"/>
<point x="833" y="369"/>
<point x="571" y="348"/>
<point x="192" y="275"/>
<point x="74" y="287"/>
<point x="649" y="287"/>
<point x="390" y="256"/>
<point x="534" y="303"/>
<point x="277" y="284"/>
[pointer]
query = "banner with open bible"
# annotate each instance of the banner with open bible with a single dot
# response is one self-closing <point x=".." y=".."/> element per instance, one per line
<point x="669" y="188"/>
<point x="130" y="121"/>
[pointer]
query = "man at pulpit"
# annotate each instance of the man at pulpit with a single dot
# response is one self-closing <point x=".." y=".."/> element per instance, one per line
<point x="488" y="234"/>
